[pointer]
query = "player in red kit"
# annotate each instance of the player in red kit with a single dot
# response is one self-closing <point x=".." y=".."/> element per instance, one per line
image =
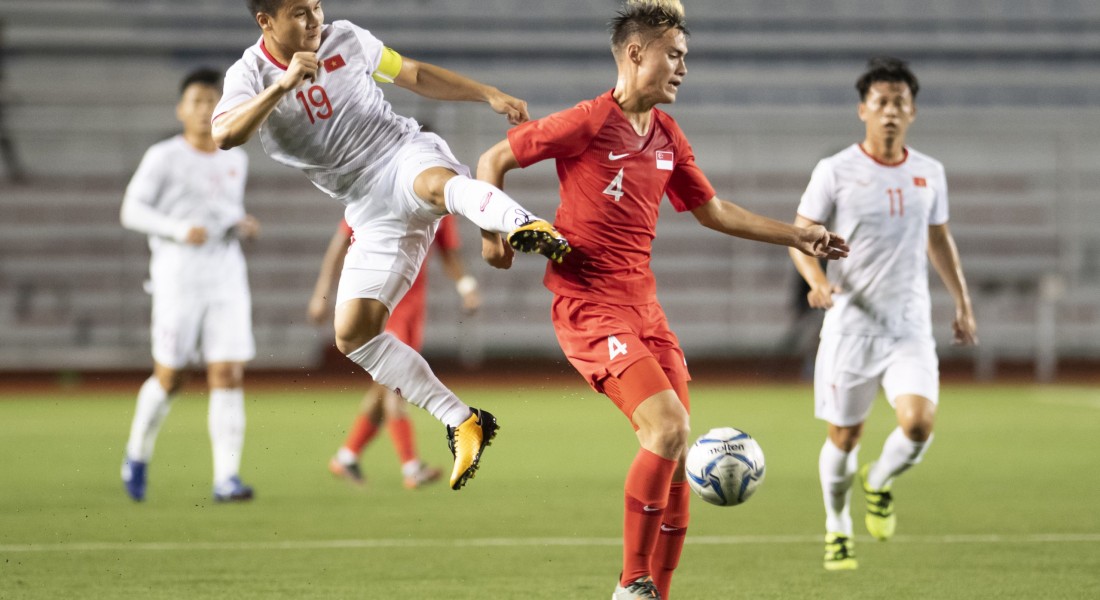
<point x="406" y="324"/>
<point x="616" y="157"/>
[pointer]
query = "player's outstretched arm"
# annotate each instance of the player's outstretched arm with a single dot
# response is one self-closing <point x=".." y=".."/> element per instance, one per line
<point x="319" y="305"/>
<point x="821" y="291"/>
<point x="944" y="256"/>
<point x="731" y="219"/>
<point x="435" y="82"/>
<point x="238" y="124"/>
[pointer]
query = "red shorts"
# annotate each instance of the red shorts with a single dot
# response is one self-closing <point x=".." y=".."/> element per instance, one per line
<point x="602" y="340"/>
<point x="406" y="322"/>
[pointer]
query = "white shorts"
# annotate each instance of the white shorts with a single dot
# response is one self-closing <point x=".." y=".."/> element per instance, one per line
<point x="187" y="329"/>
<point x="393" y="228"/>
<point x="850" y="369"/>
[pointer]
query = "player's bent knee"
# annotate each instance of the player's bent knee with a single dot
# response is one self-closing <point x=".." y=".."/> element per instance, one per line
<point x="918" y="431"/>
<point x="357" y="322"/>
<point x="845" y="438"/>
<point x="352" y="341"/>
<point x="430" y="184"/>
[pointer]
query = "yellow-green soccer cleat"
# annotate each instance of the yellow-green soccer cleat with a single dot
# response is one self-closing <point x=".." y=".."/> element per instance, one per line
<point x="880" y="520"/>
<point x="840" y="554"/>
<point x="467" y="441"/>
<point x="540" y="237"/>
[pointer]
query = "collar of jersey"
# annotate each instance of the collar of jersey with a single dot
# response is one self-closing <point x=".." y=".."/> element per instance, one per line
<point x="263" y="48"/>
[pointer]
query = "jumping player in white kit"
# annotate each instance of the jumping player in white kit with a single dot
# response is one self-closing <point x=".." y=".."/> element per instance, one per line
<point x="188" y="197"/>
<point x="890" y="202"/>
<point x="312" y="92"/>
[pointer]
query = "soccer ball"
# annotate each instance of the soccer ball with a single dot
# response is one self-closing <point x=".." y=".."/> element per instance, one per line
<point x="725" y="466"/>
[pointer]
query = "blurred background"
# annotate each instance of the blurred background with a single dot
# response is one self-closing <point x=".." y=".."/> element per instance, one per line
<point x="1009" y="102"/>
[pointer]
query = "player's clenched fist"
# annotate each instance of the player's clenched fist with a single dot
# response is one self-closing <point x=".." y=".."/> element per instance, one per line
<point x="303" y="66"/>
<point x="514" y="108"/>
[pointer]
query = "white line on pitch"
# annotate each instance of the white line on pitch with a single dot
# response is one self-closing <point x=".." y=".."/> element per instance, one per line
<point x="735" y="540"/>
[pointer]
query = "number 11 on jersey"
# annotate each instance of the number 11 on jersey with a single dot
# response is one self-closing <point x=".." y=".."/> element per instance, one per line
<point x="897" y="202"/>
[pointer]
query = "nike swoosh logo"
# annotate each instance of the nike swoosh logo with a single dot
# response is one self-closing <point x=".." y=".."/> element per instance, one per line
<point x="666" y="528"/>
<point x="647" y="508"/>
<point x="613" y="156"/>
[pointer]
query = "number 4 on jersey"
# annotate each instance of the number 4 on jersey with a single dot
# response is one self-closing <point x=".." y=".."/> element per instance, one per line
<point x="615" y="347"/>
<point x="615" y="188"/>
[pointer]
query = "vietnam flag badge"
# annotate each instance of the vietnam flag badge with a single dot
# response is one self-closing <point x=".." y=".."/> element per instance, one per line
<point x="333" y="62"/>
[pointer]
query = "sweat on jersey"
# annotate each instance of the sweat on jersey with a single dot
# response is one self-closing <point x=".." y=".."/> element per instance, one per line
<point x="612" y="181"/>
<point x="884" y="212"/>
<point x="337" y="129"/>
<point x="177" y="187"/>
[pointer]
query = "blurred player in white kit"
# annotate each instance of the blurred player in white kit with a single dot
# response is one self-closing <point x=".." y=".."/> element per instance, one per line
<point x="188" y="197"/>
<point x="311" y="91"/>
<point x="890" y="202"/>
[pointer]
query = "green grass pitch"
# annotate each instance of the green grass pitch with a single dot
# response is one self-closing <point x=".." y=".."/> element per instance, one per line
<point x="1005" y="505"/>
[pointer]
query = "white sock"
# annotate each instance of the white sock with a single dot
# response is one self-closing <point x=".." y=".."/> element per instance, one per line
<point x="226" y="422"/>
<point x="410" y="468"/>
<point x="346" y="457"/>
<point x="836" y="469"/>
<point x="153" y="404"/>
<point x="898" y="454"/>
<point x="486" y="205"/>
<point x="394" y="364"/>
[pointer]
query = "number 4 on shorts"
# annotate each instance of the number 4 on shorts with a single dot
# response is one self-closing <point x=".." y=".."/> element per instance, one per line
<point x="615" y="347"/>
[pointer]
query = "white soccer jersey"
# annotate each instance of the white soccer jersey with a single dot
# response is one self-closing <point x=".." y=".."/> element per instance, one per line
<point x="336" y="129"/>
<point x="177" y="187"/>
<point x="883" y="211"/>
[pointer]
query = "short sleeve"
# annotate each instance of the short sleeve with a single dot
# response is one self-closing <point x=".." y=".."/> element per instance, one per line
<point x="561" y="135"/>
<point x="241" y="85"/>
<point x="373" y="49"/>
<point x="688" y="188"/>
<point x="819" y="199"/>
<point x="447" y="236"/>
<point x="939" y="214"/>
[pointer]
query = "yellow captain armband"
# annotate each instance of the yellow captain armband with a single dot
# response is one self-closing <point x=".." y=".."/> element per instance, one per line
<point x="388" y="67"/>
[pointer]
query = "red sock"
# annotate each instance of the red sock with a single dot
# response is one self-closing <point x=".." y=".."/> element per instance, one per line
<point x="647" y="487"/>
<point x="670" y="542"/>
<point x="362" y="432"/>
<point x="401" y="432"/>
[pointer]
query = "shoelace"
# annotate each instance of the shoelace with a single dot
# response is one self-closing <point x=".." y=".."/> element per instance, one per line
<point x="882" y="501"/>
<point x="643" y="586"/>
<point x="838" y="549"/>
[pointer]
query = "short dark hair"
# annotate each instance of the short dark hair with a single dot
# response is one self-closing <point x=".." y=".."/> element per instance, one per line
<point x="646" y="18"/>
<point x="202" y="76"/>
<point x="888" y="69"/>
<point x="263" y="6"/>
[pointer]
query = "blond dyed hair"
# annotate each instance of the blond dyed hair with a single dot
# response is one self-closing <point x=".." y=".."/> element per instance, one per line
<point x="647" y="20"/>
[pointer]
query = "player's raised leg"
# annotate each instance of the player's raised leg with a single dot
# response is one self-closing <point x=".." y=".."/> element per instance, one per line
<point x="395" y="365"/>
<point x="491" y="209"/>
<point x="154" y="401"/>
<point x="904" y="448"/>
<point x="226" y="423"/>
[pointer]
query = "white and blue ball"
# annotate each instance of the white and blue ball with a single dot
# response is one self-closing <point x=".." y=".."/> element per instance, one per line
<point x="725" y="466"/>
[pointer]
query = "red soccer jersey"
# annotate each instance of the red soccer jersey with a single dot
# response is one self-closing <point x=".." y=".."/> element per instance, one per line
<point x="612" y="182"/>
